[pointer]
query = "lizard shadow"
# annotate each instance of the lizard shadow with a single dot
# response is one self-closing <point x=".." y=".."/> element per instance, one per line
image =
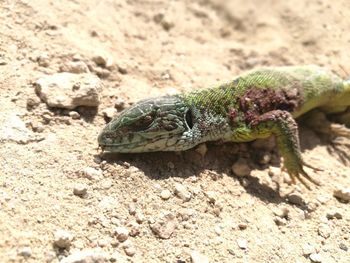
<point x="162" y="165"/>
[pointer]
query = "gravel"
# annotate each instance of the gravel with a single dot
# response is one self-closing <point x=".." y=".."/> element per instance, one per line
<point x="62" y="239"/>
<point x="182" y="192"/>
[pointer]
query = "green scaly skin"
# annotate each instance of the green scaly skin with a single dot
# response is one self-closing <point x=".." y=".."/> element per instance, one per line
<point x="258" y="104"/>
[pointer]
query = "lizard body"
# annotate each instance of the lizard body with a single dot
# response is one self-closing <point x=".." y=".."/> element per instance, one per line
<point x="257" y="104"/>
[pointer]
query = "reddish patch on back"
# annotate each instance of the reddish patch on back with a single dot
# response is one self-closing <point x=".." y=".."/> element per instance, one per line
<point x="257" y="101"/>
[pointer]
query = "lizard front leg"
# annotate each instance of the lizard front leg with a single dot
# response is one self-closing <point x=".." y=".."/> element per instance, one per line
<point x="283" y="126"/>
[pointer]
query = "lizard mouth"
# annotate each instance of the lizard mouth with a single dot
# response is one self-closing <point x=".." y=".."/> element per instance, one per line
<point x="110" y="141"/>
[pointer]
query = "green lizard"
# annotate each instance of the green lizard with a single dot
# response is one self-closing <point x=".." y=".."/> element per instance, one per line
<point x="258" y="104"/>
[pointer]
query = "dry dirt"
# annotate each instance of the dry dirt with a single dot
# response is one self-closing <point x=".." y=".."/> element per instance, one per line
<point x="159" y="47"/>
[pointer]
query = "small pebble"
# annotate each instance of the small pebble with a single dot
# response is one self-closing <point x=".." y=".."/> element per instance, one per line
<point x="33" y="102"/>
<point x="197" y="257"/>
<point x="324" y="230"/>
<point x="109" y="113"/>
<point x="25" y="252"/>
<point x="242" y="243"/>
<point x="164" y="226"/>
<point x="308" y="249"/>
<point x="80" y="190"/>
<point x="342" y="193"/>
<point x="139" y="217"/>
<point x="242" y="226"/>
<point x="132" y="209"/>
<point x="121" y="233"/>
<point x="74" y="115"/>
<point x="62" y="239"/>
<point x="342" y="246"/>
<point x="202" y="149"/>
<point x="165" y="194"/>
<point x="103" y="61"/>
<point x="77" y="67"/>
<point x="181" y="192"/>
<point x="315" y="257"/>
<point x="296" y="198"/>
<point x="241" y="168"/>
<point x="134" y="229"/>
<point x="85" y="256"/>
<point x="281" y="212"/>
<point x="218" y="230"/>
<point x="92" y="173"/>
<point x="280" y="221"/>
<point x="119" y="104"/>
<point x="130" y="251"/>
<point x="122" y="68"/>
<point x="333" y="215"/>
<point x="212" y="196"/>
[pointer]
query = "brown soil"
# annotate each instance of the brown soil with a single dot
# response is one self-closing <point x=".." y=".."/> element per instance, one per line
<point x="160" y="47"/>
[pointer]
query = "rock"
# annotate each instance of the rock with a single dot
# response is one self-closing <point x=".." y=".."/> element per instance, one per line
<point x="85" y="256"/>
<point x="132" y="209"/>
<point x="102" y="72"/>
<point x="212" y="196"/>
<point x="25" y="251"/>
<point x="164" y="226"/>
<point x="165" y="194"/>
<point x="117" y="257"/>
<point x="14" y="129"/>
<point x="333" y="215"/>
<point x="68" y="90"/>
<point x="107" y="203"/>
<point x="80" y="190"/>
<point x="242" y="226"/>
<point x="74" y="115"/>
<point x="62" y="239"/>
<point x="308" y="249"/>
<point x="109" y="113"/>
<point x="202" y="149"/>
<point x="134" y="229"/>
<point x="242" y="243"/>
<point x="315" y="257"/>
<point x="77" y="67"/>
<point x="324" y="230"/>
<point x="103" y="61"/>
<point x="163" y="21"/>
<point x="281" y="212"/>
<point x="139" y="217"/>
<point x="43" y="60"/>
<point x="280" y="221"/>
<point x="241" y="168"/>
<point x="182" y="193"/>
<point x="122" y="68"/>
<point x="130" y="250"/>
<point x="32" y="102"/>
<point x="342" y="246"/>
<point x="92" y="173"/>
<point x="218" y="230"/>
<point x="197" y="257"/>
<point x="296" y="198"/>
<point x="119" y="104"/>
<point x="121" y="233"/>
<point x="342" y="193"/>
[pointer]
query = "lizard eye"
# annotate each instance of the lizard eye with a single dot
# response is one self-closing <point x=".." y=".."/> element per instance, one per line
<point x="142" y="124"/>
<point x="189" y="119"/>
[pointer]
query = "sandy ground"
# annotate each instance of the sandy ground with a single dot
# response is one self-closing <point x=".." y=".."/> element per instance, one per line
<point x="60" y="199"/>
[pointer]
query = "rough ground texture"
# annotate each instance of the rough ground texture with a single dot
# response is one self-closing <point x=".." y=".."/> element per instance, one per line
<point x="61" y="200"/>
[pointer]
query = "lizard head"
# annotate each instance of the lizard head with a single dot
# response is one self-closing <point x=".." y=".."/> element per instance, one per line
<point x="160" y="124"/>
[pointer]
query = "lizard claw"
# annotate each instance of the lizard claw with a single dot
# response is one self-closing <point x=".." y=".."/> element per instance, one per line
<point x="300" y="175"/>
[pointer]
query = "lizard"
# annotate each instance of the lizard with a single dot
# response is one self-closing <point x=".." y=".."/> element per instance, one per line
<point x="257" y="104"/>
